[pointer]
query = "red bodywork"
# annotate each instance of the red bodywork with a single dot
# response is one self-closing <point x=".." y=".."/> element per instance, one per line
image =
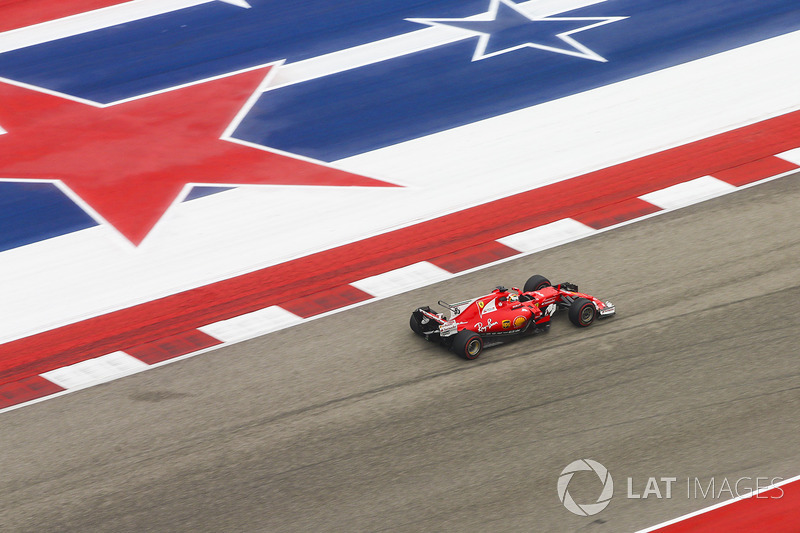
<point x="506" y="311"/>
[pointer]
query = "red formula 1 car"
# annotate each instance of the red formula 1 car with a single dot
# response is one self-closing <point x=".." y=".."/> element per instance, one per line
<point x="504" y="313"/>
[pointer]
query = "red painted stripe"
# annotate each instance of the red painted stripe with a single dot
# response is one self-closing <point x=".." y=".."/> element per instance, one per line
<point x="172" y="346"/>
<point x="773" y="511"/>
<point x="26" y="390"/>
<point x="326" y="300"/>
<point x="616" y="213"/>
<point x="16" y="14"/>
<point x="474" y="256"/>
<point x="756" y="170"/>
<point x="281" y="284"/>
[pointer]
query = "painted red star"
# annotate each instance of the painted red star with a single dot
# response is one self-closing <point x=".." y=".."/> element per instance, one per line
<point x="130" y="161"/>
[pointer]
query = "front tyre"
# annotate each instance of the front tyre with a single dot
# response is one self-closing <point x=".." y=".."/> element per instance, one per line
<point x="582" y="312"/>
<point x="536" y="283"/>
<point x="467" y="344"/>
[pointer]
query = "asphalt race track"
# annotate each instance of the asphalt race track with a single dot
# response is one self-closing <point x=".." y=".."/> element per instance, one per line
<point x="350" y="423"/>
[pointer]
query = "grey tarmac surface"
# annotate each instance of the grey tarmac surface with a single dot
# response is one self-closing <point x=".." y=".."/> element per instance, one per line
<point x="351" y="423"/>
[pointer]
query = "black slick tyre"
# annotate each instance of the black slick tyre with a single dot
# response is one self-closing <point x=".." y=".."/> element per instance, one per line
<point x="415" y="324"/>
<point x="535" y="283"/>
<point x="467" y="344"/>
<point x="582" y="312"/>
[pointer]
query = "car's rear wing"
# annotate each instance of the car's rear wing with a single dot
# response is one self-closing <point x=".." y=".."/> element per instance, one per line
<point x="429" y="313"/>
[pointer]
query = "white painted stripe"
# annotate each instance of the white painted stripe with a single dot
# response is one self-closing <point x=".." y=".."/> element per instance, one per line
<point x="792" y="156"/>
<point x="547" y="236"/>
<point x="688" y="193"/>
<point x="94" y="371"/>
<point x="749" y="494"/>
<point x="402" y="279"/>
<point x="407" y="43"/>
<point x="95" y="20"/>
<point x="251" y="325"/>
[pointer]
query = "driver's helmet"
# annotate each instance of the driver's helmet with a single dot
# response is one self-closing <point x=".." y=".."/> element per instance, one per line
<point x="513" y="297"/>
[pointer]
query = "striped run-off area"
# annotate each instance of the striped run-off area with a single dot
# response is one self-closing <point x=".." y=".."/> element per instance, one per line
<point x="36" y="376"/>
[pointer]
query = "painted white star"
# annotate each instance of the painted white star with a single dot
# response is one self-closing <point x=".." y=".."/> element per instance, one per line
<point x="506" y="27"/>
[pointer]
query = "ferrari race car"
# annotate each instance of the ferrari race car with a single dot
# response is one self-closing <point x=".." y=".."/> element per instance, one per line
<point x="506" y="313"/>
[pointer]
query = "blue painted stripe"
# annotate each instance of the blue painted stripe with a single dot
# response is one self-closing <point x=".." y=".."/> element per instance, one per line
<point x="203" y="191"/>
<point x="212" y="39"/>
<point x="30" y="212"/>
<point x="394" y="101"/>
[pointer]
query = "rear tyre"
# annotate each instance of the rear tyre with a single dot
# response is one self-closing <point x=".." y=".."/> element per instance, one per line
<point x="415" y="324"/>
<point x="467" y="344"/>
<point x="582" y="312"/>
<point x="535" y="283"/>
